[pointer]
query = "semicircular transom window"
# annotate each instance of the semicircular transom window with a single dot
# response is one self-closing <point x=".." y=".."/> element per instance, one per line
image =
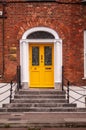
<point x="40" y="35"/>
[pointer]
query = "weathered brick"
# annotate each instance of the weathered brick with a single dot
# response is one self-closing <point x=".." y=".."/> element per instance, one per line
<point x="68" y="20"/>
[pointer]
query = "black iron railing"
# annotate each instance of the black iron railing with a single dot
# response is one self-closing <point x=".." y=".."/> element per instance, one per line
<point x="80" y="95"/>
<point x="62" y="78"/>
<point x="19" y="77"/>
<point x="68" y="84"/>
<point x="13" y="86"/>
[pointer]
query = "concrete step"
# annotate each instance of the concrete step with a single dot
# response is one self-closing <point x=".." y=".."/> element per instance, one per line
<point x="3" y="110"/>
<point x="38" y="92"/>
<point x="42" y="100"/>
<point x="39" y="105"/>
<point x="39" y="96"/>
<point x="48" y="109"/>
<point x="43" y="109"/>
<point x="43" y="121"/>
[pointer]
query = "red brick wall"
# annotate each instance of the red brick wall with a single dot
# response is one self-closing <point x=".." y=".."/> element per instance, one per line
<point x="1" y="44"/>
<point x="67" y="19"/>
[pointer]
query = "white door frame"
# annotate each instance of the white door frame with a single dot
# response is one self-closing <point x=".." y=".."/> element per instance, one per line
<point x="24" y="54"/>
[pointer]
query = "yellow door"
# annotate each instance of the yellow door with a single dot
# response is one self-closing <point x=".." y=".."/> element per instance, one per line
<point x="41" y="65"/>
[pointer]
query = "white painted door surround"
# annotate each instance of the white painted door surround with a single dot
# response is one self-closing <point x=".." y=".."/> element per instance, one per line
<point x="24" y="53"/>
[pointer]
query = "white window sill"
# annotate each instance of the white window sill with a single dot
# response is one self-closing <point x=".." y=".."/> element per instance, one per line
<point x="84" y="78"/>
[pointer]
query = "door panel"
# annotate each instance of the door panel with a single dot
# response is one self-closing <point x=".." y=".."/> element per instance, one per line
<point x="35" y="77"/>
<point x="47" y="55"/>
<point x="34" y="66"/>
<point x="35" y="55"/>
<point x="41" y="65"/>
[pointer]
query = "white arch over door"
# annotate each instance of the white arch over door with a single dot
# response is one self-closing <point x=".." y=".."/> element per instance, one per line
<point x="24" y="53"/>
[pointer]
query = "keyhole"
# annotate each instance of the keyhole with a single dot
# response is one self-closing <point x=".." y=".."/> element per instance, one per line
<point x="41" y="57"/>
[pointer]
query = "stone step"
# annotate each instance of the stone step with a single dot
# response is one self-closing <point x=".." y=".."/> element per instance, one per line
<point x="3" y="109"/>
<point x="37" y="109"/>
<point x="39" y="96"/>
<point x="38" y="92"/>
<point x="42" y="100"/>
<point x="43" y="121"/>
<point x="49" y="109"/>
<point x="39" y="105"/>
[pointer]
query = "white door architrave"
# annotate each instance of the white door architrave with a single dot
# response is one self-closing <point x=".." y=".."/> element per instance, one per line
<point x="24" y="54"/>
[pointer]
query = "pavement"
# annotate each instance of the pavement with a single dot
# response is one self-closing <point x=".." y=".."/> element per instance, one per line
<point x="43" y="129"/>
<point x="43" y="120"/>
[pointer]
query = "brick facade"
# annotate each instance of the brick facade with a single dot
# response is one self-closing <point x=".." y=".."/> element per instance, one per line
<point x="68" y="20"/>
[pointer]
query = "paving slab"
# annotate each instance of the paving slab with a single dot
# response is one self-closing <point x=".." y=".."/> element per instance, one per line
<point x="43" y="129"/>
<point x="51" y="120"/>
